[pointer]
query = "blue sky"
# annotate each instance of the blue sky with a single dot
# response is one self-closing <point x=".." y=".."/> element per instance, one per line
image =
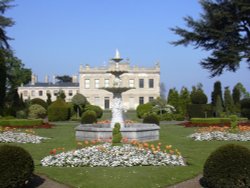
<point x="55" y="36"/>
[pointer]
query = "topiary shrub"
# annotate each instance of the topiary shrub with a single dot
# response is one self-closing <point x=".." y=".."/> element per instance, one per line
<point x="40" y="102"/>
<point x="143" y="109"/>
<point x="117" y="136"/>
<point x="228" y="166"/>
<point x="151" y="118"/>
<point x="198" y="97"/>
<point x="16" y="166"/>
<point x="89" y="117"/>
<point x="58" y="111"/>
<point x="97" y="109"/>
<point x="36" y="111"/>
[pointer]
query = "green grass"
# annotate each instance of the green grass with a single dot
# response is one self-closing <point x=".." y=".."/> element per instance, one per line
<point x="62" y="135"/>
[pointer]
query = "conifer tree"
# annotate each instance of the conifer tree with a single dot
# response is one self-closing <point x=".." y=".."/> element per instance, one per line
<point x="223" y="29"/>
<point x="228" y="101"/>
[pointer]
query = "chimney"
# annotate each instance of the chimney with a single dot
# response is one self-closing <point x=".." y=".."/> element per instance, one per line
<point x="46" y="79"/>
<point x="74" y="79"/>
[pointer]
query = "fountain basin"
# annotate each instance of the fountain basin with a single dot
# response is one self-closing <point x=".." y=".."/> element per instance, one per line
<point x="138" y="131"/>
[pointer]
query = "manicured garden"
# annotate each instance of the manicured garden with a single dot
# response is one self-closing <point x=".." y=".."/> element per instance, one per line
<point x="63" y="139"/>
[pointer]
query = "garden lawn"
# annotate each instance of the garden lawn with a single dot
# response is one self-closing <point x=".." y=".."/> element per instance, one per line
<point x="62" y="135"/>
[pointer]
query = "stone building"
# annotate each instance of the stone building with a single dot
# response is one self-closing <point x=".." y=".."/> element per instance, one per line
<point x="144" y="81"/>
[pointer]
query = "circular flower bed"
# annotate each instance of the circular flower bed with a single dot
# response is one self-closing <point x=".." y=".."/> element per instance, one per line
<point x="20" y="137"/>
<point x="106" y="155"/>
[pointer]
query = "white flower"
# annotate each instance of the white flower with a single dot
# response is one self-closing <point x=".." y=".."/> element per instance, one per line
<point x="126" y="155"/>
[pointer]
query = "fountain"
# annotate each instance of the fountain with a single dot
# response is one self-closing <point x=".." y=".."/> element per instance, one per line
<point x="136" y="131"/>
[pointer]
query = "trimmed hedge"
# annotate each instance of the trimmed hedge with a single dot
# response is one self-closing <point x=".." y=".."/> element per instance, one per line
<point x="228" y="166"/>
<point x="215" y="120"/>
<point x="245" y="107"/>
<point x="21" y="122"/>
<point x="58" y="111"/>
<point x="16" y="166"/>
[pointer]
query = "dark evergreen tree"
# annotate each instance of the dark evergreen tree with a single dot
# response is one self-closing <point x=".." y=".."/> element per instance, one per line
<point x="184" y="100"/>
<point x="216" y="92"/>
<point x="228" y="101"/>
<point x="224" y="30"/>
<point x="218" y="107"/>
<point x="236" y="99"/>
<point x="4" y="47"/>
<point x="197" y="95"/>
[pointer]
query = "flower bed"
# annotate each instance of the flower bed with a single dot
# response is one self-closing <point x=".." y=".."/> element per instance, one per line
<point x="20" y="137"/>
<point x="106" y="155"/>
<point x="218" y="135"/>
<point x="241" y="133"/>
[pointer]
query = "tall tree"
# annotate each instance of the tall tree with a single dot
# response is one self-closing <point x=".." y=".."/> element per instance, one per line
<point x="184" y="100"/>
<point x="228" y="101"/>
<point x="224" y="30"/>
<point x="216" y="92"/>
<point x="173" y="98"/>
<point x="218" y="107"/>
<point x="236" y="99"/>
<point x="243" y="92"/>
<point x="4" y="47"/>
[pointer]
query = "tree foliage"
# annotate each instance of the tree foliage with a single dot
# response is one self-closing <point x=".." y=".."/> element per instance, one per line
<point x="229" y="104"/>
<point x="224" y="30"/>
<point x="64" y="79"/>
<point x="4" y="47"/>
<point x="216" y="92"/>
<point x="173" y="99"/>
<point x="184" y="100"/>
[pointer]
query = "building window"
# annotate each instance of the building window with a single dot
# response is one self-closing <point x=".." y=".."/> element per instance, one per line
<point x="141" y="83"/>
<point x="33" y="93"/>
<point x="141" y="100"/>
<point x="25" y="93"/>
<point x="70" y="93"/>
<point x="106" y="103"/>
<point x="87" y="84"/>
<point x="150" y="99"/>
<point x="55" y="92"/>
<point x="151" y="83"/>
<point x="97" y="101"/>
<point x="131" y="83"/>
<point x="40" y="93"/>
<point x="97" y="83"/>
<point x="106" y="83"/>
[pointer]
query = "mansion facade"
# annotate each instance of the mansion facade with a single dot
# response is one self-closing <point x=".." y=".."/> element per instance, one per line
<point x="144" y="83"/>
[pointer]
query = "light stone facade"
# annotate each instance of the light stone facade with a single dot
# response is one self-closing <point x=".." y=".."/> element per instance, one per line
<point x="144" y="81"/>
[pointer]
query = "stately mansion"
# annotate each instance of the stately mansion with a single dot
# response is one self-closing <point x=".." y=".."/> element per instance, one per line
<point x="144" y="83"/>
